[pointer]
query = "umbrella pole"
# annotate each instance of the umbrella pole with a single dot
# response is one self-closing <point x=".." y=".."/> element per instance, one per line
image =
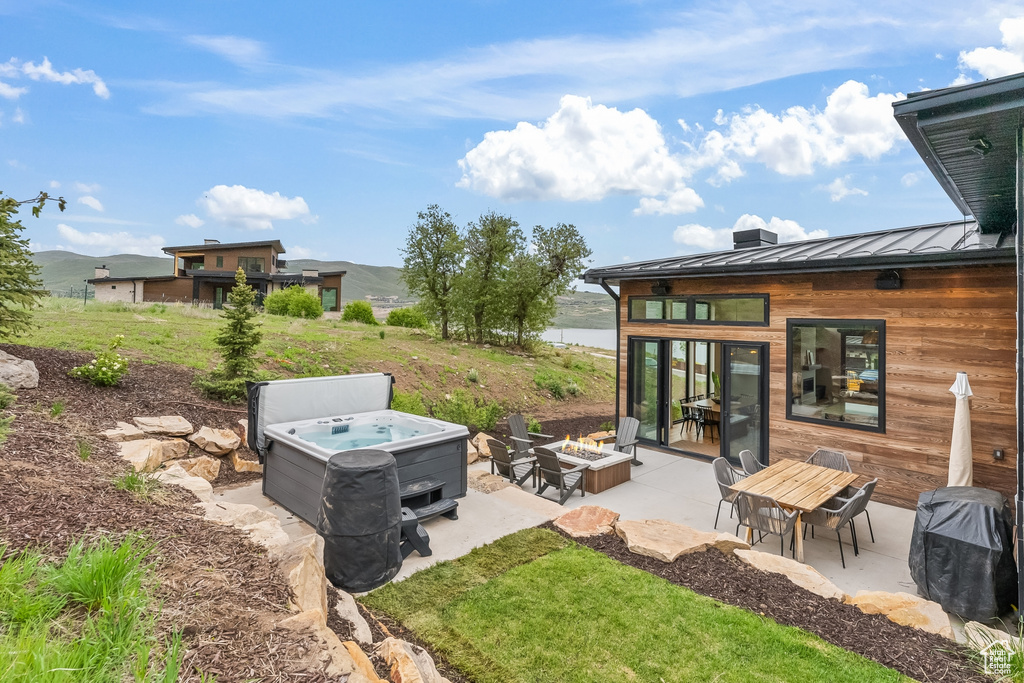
<point x="1019" y="243"/>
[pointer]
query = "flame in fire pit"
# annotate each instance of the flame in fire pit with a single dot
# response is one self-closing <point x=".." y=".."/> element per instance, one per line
<point x="581" y="446"/>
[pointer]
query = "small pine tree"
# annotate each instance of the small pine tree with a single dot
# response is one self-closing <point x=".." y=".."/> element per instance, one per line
<point x="241" y="334"/>
<point x="20" y="287"/>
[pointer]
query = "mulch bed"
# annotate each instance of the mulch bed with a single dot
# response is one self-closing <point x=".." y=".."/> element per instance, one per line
<point x="923" y="656"/>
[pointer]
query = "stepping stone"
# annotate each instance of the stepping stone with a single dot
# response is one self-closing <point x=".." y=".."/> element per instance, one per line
<point x="216" y="441"/>
<point x="666" y="541"/>
<point x="179" y="477"/>
<point x="905" y="609"/>
<point x="588" y="520"/>
<point x="123" y="432"/>
<point x="799" y="573"/>
<point x="148" y="454"/>
<point x="204" y="466"/>
<point x="167" y="425"/>
<point x="242" y="465"/>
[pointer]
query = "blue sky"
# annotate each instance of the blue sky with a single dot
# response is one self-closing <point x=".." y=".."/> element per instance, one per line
<point x="656" y="128"/>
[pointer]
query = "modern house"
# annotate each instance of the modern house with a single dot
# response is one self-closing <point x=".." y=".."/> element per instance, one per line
<point x="205" y="273"/>
<point x="848" y="343"/>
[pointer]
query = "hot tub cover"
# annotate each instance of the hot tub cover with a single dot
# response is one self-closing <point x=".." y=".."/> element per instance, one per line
<point x="961" y="551"/>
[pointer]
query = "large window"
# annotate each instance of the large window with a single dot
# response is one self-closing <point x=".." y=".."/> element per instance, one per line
<point x="713" y="309"/>
<point x="252" y="264"/>
<point x="837" y="373"/>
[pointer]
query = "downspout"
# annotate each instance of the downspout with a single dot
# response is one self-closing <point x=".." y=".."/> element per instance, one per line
<point x="618" y="344"/>
<point x="1019" y="243"/>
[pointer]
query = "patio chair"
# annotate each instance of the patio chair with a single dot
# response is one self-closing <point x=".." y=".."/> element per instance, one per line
<point x="725" y="476"/>
<point x="834" y="460"/>
<point x="625" y="438"/>
<point x="836" y="519"/>
<point x="522" y="440"/>
<point x="850" y="492"/>
<point x="766" y="516"/>
<point x="751" y="465"/>
<point x="516" y="470"/>
<point x="551" y="473"/>
<point x="690" y="416"/>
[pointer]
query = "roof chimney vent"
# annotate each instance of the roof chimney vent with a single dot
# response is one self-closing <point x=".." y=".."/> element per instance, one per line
<point x="101" y="272"/>
<point x="209" y="241"/>
<point x="748" y="239"/>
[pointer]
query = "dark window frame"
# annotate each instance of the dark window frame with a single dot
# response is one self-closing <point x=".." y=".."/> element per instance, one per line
<point x="839" y="323"/>
<point x="246" y="259"/>
<point x="220" y="262"/>
<point x="691" y="310"/>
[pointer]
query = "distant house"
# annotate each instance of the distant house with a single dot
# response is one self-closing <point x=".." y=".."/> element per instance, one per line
<point x="852" y="342"/>
<point x="205" y="273"/>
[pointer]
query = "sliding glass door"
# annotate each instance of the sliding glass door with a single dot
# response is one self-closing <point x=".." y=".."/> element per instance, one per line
<point x="698" y="396"/>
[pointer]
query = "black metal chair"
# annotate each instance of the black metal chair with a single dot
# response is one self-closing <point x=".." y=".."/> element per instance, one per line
<point x="516" y="470"/>
<point x="834" y="460"/>
<point x="765" y="516"/>
<point x="522" y="438"/>
<point x="550" y="473"/>
<point x="709" y="422"/>
<point x="725" y="477"/>
<point x="625" y="437"/>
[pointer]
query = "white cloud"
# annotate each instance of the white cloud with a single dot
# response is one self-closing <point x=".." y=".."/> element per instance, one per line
<point x="91" y="202"/>
<point x="190" y="220"/>
<point x="582" y="152"/>
<point x="105" y="243"/>
<point x="46" y="72"/>
<point x="910" y="179"/>
<point x="720" y="239"/>
<point x="992" y="62"/>
<point x="9" y="92"/>
<point x="250" y="208"/>
<point x="19" y="115"/>
<point x="297" y="252"/>
<point x="87" y="188"/>
<point x="796" y="142"/>
<point x="242" y="51"/>
<point x="839" y="189"/>
<point x="54" y="184"/>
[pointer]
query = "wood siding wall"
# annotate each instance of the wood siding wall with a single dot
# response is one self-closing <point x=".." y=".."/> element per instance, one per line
<point x="942" y="321"/>
<point x="179" y="289"/>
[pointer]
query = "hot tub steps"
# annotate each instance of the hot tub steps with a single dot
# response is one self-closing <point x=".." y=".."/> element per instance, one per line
<point x="424" y="498"/>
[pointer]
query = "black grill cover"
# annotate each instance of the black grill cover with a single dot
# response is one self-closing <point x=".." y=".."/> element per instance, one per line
<point x="360" y="519"/>
<point x="961" y="553"/>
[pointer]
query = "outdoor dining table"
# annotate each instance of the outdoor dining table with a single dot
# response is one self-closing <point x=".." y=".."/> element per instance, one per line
<point x="795" y="486"/>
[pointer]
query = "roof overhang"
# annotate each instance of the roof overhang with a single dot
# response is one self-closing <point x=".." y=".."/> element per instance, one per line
<point x="966" y="135"/>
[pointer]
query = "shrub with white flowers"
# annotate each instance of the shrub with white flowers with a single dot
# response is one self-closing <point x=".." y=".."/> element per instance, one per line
<point x="107" y="368"/>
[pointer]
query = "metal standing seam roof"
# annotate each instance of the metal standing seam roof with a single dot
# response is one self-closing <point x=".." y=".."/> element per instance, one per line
<point x="950" y="243"/>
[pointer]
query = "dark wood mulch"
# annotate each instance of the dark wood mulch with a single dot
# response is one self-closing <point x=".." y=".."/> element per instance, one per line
<point x="147" y="390"/>
<point x="923" y="656"/>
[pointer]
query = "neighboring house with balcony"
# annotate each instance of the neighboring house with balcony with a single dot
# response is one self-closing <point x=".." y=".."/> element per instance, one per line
<point x="205" y="273"/>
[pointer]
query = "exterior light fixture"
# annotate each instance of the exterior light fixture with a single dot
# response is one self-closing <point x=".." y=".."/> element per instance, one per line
<point x="889" y="279"/>
<point x="982" y="146"/>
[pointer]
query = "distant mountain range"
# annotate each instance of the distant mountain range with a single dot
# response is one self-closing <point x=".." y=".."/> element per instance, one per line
<point x="63" y="271"/>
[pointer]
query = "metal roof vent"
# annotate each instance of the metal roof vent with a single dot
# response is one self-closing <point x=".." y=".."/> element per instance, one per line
<point x="209" y="241"/>
<point x="748" y="239"/>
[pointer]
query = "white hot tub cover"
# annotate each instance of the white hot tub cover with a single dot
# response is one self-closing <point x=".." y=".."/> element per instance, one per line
<point x="288" y="400"/>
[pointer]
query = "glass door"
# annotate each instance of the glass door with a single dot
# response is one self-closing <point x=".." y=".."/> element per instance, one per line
<point x="645" y="387"/>
<point x="742" y="414"/>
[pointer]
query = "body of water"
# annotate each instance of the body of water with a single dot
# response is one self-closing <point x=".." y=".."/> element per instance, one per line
<point x="601" y="339"/>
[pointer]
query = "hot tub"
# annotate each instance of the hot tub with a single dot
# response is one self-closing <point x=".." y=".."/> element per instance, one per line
<point x="296" y="453"/>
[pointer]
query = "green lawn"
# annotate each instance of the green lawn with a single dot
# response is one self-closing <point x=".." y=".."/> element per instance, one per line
<point x="533" y="607"/>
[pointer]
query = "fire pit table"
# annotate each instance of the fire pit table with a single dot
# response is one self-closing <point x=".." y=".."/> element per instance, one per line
<point x="606" y="467"/>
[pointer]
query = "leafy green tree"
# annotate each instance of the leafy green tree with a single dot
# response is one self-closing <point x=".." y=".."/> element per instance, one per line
<point x="490" y="246"/>
<point x="294" y="301"/>
<point x="241" y="333"/>
<point x="433" y="257"/>
<point x="20" y="287"/>
<point x="558" y="257"/>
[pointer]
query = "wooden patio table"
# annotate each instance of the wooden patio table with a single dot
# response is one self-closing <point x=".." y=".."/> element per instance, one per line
<point x="796" y="486"/>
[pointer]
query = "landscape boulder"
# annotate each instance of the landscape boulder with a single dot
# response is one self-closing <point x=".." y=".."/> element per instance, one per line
<point x="301" y="563"/>
<point x="588" y="520"/>
<point x="18" y="373"/>
<point x="472" y="454"/>
<point x="346" y="609"/>
<point x="148" y="454"/>
<point x="799" y="573"/>
<point x="123" y="432"/>
<point x="216" y="441"/>
<point x="174" y="474"/>
<point x="409" y="663"/>
<point x="333" y="655"/>
<point x="905" y="609"/>
<point x="242" y="465"/>
<point x="165" y="425"/>
<point x="262" y="526"/>
<point x="485" y="482"/>
<point x="480" y="442"/>
<point x="204" y="466"/>
<point x="362" y="663"/>
<point x="666" y="541"/>
<point x="243" y="431"/>
<point x="980" y="636"/>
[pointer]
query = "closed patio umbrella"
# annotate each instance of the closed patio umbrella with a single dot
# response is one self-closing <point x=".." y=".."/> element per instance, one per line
<point x="961" y="468"/>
